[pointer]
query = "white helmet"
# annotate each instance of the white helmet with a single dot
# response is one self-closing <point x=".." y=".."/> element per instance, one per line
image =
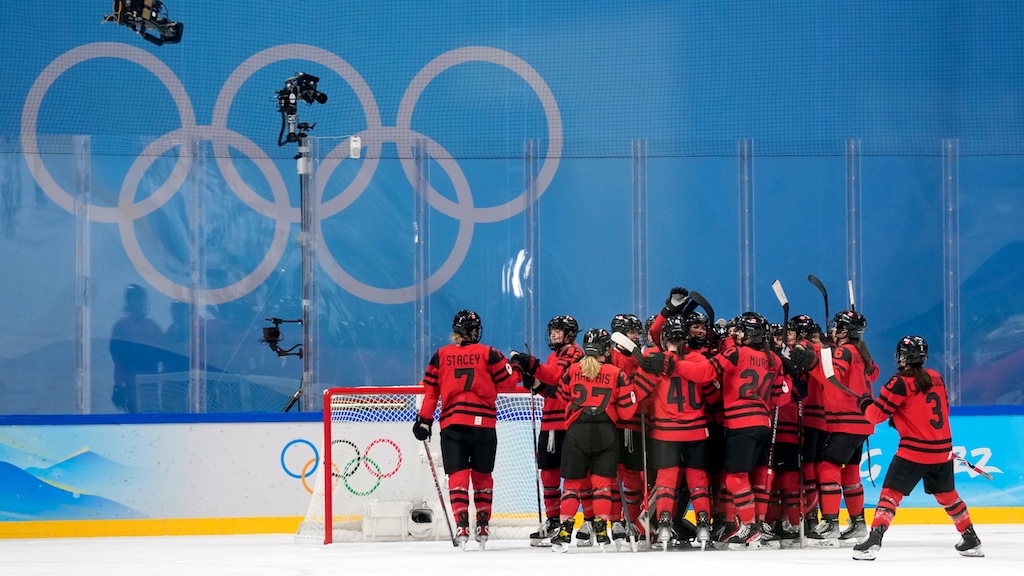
<point x="421" y="522"/>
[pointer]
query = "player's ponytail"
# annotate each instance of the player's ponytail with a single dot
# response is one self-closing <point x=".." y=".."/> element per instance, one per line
<point x="590" y="366"/>
<point x="922" y="380"/>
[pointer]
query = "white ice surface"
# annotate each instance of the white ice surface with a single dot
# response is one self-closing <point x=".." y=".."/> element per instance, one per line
<point x="907" y="551"/>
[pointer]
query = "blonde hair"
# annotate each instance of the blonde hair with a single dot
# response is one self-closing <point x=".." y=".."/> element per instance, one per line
<point x="590" y="366"/>
<point x="457" y="339"/>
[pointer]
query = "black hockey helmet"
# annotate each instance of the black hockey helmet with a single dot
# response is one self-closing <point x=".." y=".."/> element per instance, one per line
<point x="626" y="323"/>
<point x="467" y="324"/>
<point x="648" y="324"/>
<point x="695" y="342"/>
<point x="804" y="326"/>
<point x="911" y="351"/>
<point x="569" y="327"/>
<point x="675" y="329"/>
<point x="851" y="322"/>
<point x="596" y="342"/>
<point x="753" y="326"/>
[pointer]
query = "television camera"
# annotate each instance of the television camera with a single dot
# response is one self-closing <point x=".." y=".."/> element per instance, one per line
<point x="141" y="16"/>
<point x="302" y="87"/>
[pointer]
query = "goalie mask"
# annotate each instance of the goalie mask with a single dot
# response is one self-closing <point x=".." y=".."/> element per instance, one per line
<point x="596" y="342"/>
<point x="421" y="522"/>
<point x="567" y="324"/>
<point x="467" y="325"/>
<point x="911" y="351"/>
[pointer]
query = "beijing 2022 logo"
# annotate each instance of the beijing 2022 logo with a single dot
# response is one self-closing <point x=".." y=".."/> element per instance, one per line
<point x="128" y="210"/>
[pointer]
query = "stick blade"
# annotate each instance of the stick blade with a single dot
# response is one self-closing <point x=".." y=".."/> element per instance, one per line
<point x="625" y="343"/>
<point x="780" y="293"/>
<point x="826" y="362"/>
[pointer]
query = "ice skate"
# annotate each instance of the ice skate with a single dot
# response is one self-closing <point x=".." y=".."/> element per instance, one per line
<point x="462" y="529"/>
<point x="601" y="534"/>
<point x="542" y="537"/>
<point x="969" y="544"/>
<point x="746" y="537"/>
<point x="585" y="535"/>
<point x="769" y="539"/>
<point x="856" y="532"/>
<point x="703" y="530"/>
<point x="664" y="530"/>
<point x="826" y="533"/>
<point x="789" y="535"/>
<point x="482" y="533"/>
<point x="560" y="541"/>
<point x="619" y="534"/>
<point x="867" y="549"/>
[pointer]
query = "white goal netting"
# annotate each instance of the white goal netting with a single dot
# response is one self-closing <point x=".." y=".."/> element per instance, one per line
<point x="381" y="473"/>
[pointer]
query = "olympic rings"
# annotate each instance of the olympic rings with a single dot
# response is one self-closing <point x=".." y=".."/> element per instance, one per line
<point x="398" y="464"/>
<point x="335" y="458"/>
<point x="279" y="210"/>
<point x="316" y="459"/>
<point x="353" y="490"/>
<point x="364" y="455"/>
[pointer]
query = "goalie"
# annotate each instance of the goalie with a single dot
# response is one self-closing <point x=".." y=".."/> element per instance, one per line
<point x="142" y="15"/>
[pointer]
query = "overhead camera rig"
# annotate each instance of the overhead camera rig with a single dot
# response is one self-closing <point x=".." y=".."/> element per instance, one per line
<point x="272" y="337"/>
<point x="301" y="87"/>
<point x="143" y="15"/>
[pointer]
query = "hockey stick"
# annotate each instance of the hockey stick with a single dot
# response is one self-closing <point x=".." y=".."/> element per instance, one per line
<point x="630" y="534"/>
<point x="830" y="372"/>
<point x="849" y="287"/>
<point x="626" y="344"/>
<point x="800" y="469"/>
<point x="536" y="455"/>
<point x="781" y="295"/>
<point x="703" y="303"/>
<point x="973" y="467"/>
<point x="824" y="294"/>
<point x="440" y="496"/>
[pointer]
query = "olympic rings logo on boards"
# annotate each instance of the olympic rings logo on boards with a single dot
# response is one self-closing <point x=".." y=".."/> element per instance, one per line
<point x="128" y="210"/>
<point x="386" y="463"/>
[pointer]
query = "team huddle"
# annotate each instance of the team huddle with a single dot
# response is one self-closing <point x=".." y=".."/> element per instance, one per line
<point x="759" y="427"/>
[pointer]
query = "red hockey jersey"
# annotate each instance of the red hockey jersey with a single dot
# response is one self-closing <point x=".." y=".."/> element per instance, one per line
<point x="751" y="385"/>
<point x="609" y="392"/>
<point x="467" y="379"/>
<point x="550" y="373"/>
<point x="841" y="411"/>
<point x="677" y="404"/>
<point x="921" y="418"/>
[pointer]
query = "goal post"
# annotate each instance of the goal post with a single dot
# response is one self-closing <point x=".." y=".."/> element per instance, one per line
<point x="374" y="482"/>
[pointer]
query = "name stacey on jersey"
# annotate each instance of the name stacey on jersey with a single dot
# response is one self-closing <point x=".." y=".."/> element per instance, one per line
<point x="464" y="360"/>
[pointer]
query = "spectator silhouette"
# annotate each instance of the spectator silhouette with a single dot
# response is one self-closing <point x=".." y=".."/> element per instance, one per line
<point x="134" y="348"/>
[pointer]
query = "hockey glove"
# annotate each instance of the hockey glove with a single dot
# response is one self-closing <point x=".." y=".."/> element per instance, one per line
<point x="657" y="363"/>
<point x="803" y="357"/>
<point x="421" y="428"/>
<point x="864" y="402"/>
<point x="527" y="362"/>
<point x="677" y="298"/>
<point x="531" y="383"/>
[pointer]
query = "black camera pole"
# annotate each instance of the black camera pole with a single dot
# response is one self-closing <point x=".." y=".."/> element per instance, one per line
<point x="303" y="87"/>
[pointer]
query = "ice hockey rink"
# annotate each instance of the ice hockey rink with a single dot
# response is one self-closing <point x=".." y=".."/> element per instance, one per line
<point x="908" y="551"/>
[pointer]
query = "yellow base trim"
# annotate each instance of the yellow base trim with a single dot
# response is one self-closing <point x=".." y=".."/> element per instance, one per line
<point x="290" y="524"/>
<point x="154" y="527"/>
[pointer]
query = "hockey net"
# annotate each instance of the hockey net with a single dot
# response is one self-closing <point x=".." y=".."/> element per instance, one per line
<point x="380" y="472"/>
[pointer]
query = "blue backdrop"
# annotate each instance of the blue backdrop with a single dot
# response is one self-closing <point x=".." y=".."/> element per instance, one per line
<point x="523" y="159"/>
